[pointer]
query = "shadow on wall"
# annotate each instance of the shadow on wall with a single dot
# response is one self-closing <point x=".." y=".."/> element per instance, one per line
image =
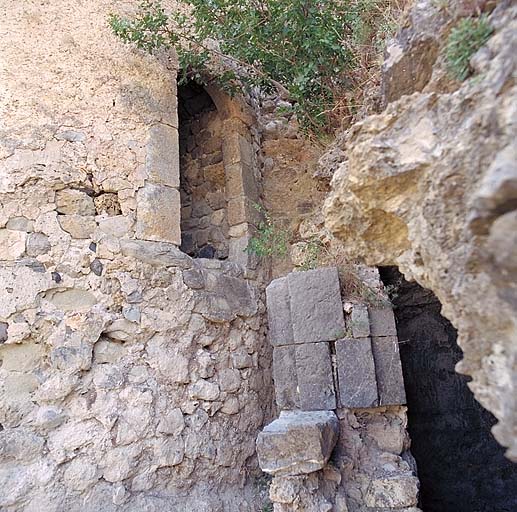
<point x="204" y="221"/>
<point x="460" y="465"/>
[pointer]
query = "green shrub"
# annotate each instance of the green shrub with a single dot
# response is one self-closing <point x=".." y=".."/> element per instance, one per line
<point x="306" y="48"/>
<point x="270" y="239"/>
<point x="465" y="39"/>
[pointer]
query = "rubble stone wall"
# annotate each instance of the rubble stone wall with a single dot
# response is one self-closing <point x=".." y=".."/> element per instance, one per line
<point x="132" y="377"/>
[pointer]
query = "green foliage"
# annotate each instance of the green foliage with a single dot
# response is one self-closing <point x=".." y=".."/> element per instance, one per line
<point x="304" y="47"/>
<point x="311" y="254"/>
<point x="270" y="240"/>
<point x="465" y="39"/>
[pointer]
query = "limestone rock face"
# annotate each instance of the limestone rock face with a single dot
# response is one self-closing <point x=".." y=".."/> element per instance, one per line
<point x="430" y="185"/>
<point x="298" y="442"/>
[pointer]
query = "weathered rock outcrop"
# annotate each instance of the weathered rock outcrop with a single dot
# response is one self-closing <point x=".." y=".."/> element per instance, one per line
<point x="430" y="185"/>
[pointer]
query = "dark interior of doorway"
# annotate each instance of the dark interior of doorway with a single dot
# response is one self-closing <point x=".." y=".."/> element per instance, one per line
<point x="460" y="465"/>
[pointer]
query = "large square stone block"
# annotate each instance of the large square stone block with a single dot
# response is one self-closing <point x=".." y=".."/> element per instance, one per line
<point x="297" y="443"/>
<point x="314" y="372"/>
<point x="382" y="322"/>
<point x="162" y="162"/>
<point x="316" y="308"/>
<point x="158" y="214"/>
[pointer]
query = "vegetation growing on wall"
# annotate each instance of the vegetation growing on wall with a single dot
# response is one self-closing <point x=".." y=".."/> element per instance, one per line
<point x="307" y="49"/>
<point x="469" y="35"/>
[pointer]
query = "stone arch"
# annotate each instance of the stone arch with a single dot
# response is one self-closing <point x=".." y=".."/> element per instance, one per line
<point x="219" y="178"/>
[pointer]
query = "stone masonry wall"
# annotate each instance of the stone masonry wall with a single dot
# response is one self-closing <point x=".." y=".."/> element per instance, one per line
<point x="341" y="442"/>
<point x="132" y="377"/>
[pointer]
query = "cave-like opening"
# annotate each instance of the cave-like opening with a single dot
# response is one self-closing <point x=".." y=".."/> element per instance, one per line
<point x="204" y="220"/>
<point x="460" y="465"/>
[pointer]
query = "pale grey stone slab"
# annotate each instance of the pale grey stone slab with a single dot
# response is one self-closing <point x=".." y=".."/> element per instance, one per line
<point x="314" y="372"/>
<point x="279" y="313"/>
<point x="316" y="308"/>
<point x="284" y="376"/>
<point x="298" y="442"/>
<point x="162" y="161"/>
<point x="356" y="373"/>
<point x="382" y="322"/>
<point x="359" y="321"/>
<point x="158" y="212"/>
<point x="388" y="368"/>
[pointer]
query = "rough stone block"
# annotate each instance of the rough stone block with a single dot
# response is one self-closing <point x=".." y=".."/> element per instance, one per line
<point x="382" y="322"/>
<point x="159" y="254"/>
<point x="12" y="244"/>
<point x="237" y="148"/>
<point x="316" y="309"/>
<point x="239" y="254"/>
<point x="397" y="492"/>
<point x="241" y="209"/>
<point x="356" y="373"/>
<point x="162" y="158"/>
<point x="279" y="313"/>
<point x="284" y="376"/>
<point x="360" y="322"/>
<point x="240" y="181"/>
<point x="315" y="382"/>
<point x="74" y="202"/>
<point x="297" y="443"/>
<point x="158" y="214"/>
<point x="390" y="382"/>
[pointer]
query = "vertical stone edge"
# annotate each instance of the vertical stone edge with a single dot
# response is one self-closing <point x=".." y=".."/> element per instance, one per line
<point x="357" y="383"/>
<point x="315" y="379"/>
<point x="285" y="377"/>
<point x="279" y="313"/>
<point x="388" y="369"/>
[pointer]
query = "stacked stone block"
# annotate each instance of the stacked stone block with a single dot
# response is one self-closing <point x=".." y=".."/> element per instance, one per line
<point x="305" y="313"/>
<point x="158" y="201"/>
<point x="322" y="361"/>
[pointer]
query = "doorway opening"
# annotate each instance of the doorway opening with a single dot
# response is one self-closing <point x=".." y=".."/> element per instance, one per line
<point x="204" y="218"/>
<point x="460" y="465"/>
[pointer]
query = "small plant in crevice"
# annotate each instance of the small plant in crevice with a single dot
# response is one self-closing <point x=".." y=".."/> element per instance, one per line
<point x="465" y="39"/>
<point x="270" y="239"/>
<point x="262" y="484"/>
<point x="311" y="252"/>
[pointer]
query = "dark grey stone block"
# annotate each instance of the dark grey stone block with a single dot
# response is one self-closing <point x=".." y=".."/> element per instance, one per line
<point x="315" y="382"/>
<point x="297" y="443"/>
<point x="279" y="313"/>
<point x="316" y="308"/>
<point x="382" y="322"/>
<point x="284" y="376"/>
<point x="359" y="321"/>
<point x="390" y="382"/>
<point x="356" y="373"/>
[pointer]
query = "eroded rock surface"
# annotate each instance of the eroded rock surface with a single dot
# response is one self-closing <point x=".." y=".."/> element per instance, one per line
<point x="429" y="185"/>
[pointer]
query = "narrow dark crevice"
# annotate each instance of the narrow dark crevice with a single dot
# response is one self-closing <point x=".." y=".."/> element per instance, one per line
<point x="460" y="465"/>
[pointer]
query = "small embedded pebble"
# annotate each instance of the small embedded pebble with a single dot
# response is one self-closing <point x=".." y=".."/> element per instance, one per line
<point x="96" y="267"/>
